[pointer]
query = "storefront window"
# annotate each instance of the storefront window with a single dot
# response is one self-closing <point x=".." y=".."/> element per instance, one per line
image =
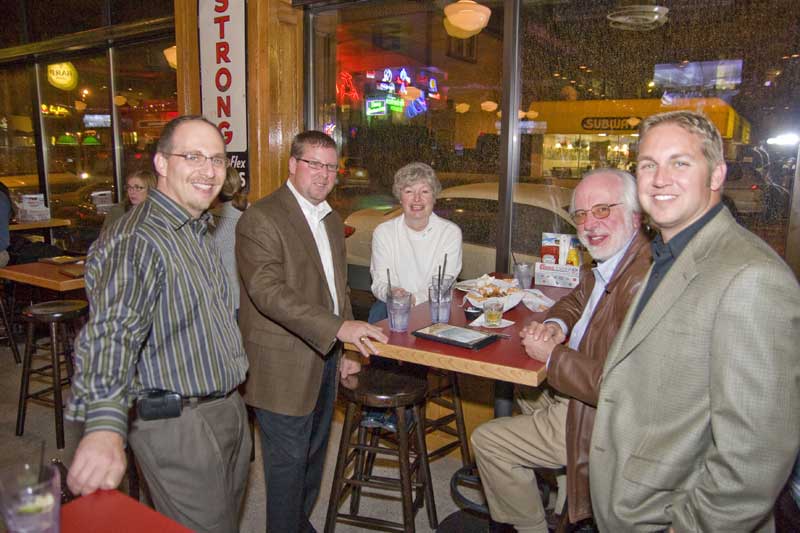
<point x="18" y="170"/>
<point x="393" y="85"/>
<point x="145" y="100"/>
<point x="76" y="115"/>
<point x="590" y="75"/>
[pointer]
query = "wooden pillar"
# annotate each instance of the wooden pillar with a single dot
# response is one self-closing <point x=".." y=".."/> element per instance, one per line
<point x="188" y="71"/>
<point x="274" y="83"/>
<point x="274" y="90"/>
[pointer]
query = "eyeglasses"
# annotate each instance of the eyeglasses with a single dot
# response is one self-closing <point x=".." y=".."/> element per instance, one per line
<point x="598" y="211"/>
<point x="198" y="160"/>
<point x="318" y="165"/>
<point x="136" y="188"/>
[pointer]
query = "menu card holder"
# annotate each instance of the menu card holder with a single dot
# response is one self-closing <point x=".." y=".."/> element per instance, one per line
<point x="457" y="336"/>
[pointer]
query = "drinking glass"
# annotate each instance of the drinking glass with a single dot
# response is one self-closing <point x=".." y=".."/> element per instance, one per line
<point x="398" y="305"/>
<point x="447" y="281"/>
<point x="493" y="311"/>
<point x="523" y="273"/>
<point x="439" y="299"/>
<point x="31" y="502"/>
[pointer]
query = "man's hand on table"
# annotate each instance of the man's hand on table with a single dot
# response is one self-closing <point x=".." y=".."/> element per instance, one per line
<point x="361" y="335"/>
<point x="99" y="463"/>
<point x="539" y="339"/>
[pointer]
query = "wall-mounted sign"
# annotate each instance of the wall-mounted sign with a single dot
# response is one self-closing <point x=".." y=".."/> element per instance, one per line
<point x="62" y="76"/>
<point x="610" y="123"/>
<point x="54" y="110"/>
<point x="375" y="107"/>
<point x="416" y="107"/>
<point x="395" y="103"/>
<point x="223" y="73"/>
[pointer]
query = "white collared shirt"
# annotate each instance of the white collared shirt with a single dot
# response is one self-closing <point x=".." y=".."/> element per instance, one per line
<point x="314" y="216"/>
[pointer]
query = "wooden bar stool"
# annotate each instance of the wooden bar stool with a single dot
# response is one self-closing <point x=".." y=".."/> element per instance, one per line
<point x="444" y="391"/>
<point x="399" y="389"/>
<point x="56" y="314"/>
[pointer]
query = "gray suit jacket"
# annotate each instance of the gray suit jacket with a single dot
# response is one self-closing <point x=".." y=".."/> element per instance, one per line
<point x="286" y="313"/>
<point x="698" y="419"/>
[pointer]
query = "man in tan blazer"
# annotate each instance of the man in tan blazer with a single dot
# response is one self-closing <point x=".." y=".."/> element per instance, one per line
<point x="698" y="419"/>
<point x="295" y="309"/>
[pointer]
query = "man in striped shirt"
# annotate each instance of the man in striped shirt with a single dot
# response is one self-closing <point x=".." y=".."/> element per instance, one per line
<point x="162" y="317"/>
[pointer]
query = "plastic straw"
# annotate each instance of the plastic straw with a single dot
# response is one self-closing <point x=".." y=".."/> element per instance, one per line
<point x="513" y="257"/>
<point x="444" y="266"/>
<point x="389" y="281"/>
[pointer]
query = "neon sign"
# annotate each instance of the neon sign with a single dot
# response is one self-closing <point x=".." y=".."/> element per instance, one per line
<point x="395" y="103"/>
<point x="417" y="107"/>
<point x="346" y="89"/>
<point x="375" y="107"/>
<point x="433" y="88"/>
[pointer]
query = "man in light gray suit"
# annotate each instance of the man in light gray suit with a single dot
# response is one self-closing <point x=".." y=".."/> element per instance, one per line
<point x="698" y="419"/>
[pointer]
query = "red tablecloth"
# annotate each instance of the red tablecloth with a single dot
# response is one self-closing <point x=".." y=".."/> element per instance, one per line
<point x="111" y="510"/>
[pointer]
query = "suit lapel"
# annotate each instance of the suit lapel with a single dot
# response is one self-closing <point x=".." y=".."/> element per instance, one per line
<point x="669" y="291"/>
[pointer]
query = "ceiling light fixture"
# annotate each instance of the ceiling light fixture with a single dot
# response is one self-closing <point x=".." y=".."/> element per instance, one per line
<point x="467" y="15"/>
<point x="171" y="55"/>
<point x="636" y="17"/>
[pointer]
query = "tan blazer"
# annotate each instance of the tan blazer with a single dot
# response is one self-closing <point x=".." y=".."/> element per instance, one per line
<point x="286" y="314"/>
<point x="698" y="418"/>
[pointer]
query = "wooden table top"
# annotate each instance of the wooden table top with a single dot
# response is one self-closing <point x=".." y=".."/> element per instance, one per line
<point x="41" y="224"/>
<point x="504" y="359"/>
<point x="111" y="510"/>
<point x="45" y="275"/>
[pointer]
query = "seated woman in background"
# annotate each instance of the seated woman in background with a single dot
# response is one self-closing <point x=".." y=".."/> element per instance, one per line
<point x="136" y="186"/>
<point x="413" y="246"/>
<point x="231" y="203"/>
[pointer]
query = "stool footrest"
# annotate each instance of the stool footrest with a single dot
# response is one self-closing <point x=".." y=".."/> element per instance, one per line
<point x="358" y="520"/>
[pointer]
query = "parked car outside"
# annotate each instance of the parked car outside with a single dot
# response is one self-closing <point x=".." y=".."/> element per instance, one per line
<point x="474" y="207"/>
<point x="352" y="171"/>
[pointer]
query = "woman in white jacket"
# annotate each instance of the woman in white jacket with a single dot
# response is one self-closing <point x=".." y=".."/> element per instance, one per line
<point x="413" y="246"/>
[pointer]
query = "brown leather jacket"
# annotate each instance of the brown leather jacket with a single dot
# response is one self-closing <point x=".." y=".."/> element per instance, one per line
<point x="577" y="373"/>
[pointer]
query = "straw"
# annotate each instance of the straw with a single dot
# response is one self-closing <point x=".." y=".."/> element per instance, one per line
<point x="444" y="266"/>
<point x="513" y="257"/>
<point x="389" y="281"/>
<point x="440" y="280"/>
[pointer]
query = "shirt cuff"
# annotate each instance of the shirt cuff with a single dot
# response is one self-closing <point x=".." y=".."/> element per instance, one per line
<point x="106" y="416"/>
<point x="561" y="324"/>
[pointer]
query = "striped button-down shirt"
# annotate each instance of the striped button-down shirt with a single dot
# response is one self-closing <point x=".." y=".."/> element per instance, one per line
<point x="161" y="316"/>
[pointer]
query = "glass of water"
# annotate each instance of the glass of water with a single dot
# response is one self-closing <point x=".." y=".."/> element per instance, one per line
<point x="399" y="305"/>
<point x="439" y="300"/>
<point x="523" y="273"/>
<point x="30" y="500"/>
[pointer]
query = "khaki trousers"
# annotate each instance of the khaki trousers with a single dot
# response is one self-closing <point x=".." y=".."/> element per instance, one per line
<point x="196" y="465"/>
<point x="506" y="451"/>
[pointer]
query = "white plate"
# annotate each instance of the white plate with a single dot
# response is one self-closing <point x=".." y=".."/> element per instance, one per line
<point x="480" y="322"/>
<point x="466" y="285"/>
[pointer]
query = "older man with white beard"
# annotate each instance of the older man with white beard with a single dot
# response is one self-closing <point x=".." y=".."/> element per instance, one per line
<point x="606" y="212"/>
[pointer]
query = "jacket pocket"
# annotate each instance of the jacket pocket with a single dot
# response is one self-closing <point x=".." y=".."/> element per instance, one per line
<point x="655" y="474"/>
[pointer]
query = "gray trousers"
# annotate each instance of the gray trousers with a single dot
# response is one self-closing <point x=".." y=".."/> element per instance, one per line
<point x="196" y="465"/>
